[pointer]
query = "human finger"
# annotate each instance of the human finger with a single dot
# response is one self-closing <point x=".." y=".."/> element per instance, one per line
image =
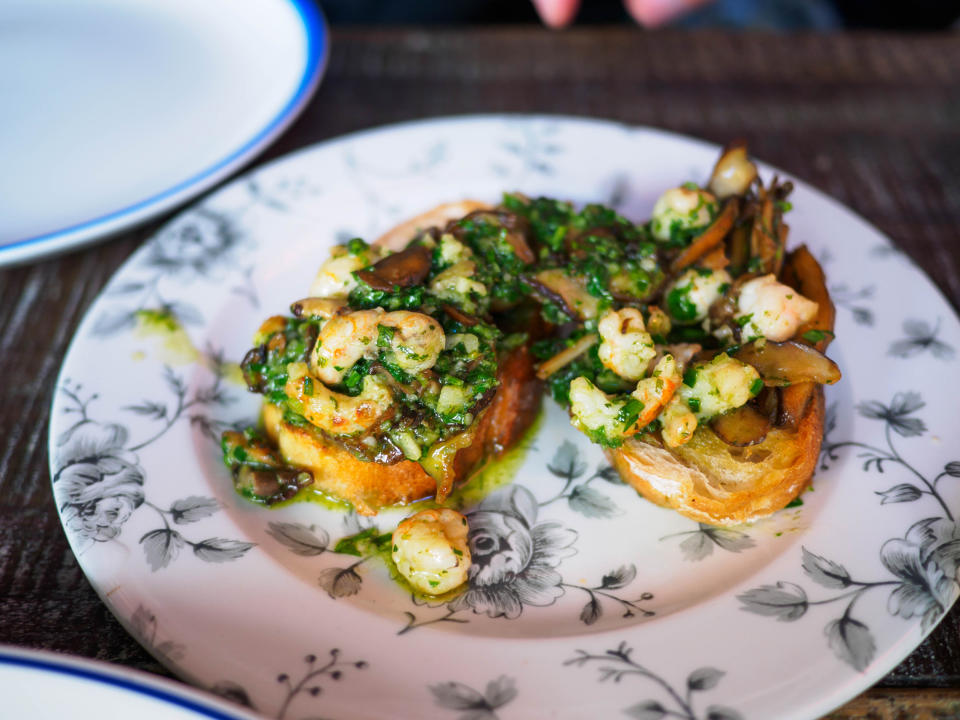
<point x="556" y="13"/>
<point x="651" y="13"/>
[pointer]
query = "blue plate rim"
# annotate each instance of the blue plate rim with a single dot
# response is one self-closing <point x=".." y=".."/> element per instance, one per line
<point x="89" y="231"/>
<point x="121" y="677"/>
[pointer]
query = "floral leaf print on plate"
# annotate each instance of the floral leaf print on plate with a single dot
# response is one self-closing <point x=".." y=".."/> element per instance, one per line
<point x="617" y="664"/>
<point x="923" y="563"/>
<point x="699" y="544"/>
<point x="309" y="683"/>
<point x="99" y="483"/>
<point x="145" y="627"/>
<point x="583" y="499"/>
<point x="854" y="300"/>
<point x="190" y="249"/>
<point x="472" y="704"/>
<point x="921" y="337"/>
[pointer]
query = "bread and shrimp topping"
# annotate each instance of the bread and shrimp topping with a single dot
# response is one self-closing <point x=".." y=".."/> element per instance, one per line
<point x="646" y="330"/>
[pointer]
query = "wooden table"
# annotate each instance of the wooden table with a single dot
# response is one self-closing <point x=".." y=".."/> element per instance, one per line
<point x="872" y="119"/>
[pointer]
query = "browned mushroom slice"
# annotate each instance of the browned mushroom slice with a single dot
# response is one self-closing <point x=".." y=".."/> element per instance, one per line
<point x="566" y="356"/>
<point x="270" y="485"/>
<point x="403" y="269"/>
<point x="733" y="173"/>
<point x="788" y="363"/>
<point x="517" y="227"/>
<point x="803" y="273"/>
<point x="317" y="307"/>
<point x="741" y="427"/>
<point x="766" y="253"/>
<point x="568" y="291"/>
<point x="738" y="245"/>
<point x="709" y="238"/>
<point x="457" y="314"/>
<point x="793" y="403"/>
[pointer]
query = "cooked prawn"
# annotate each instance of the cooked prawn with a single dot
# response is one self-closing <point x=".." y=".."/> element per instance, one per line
<point x="626" y="346"/>
<point x="770" y="309"/>
<point x="430" y="550"/>
<point x="655" y="392"/>
<point x="337" y="413"/>
<point x="412" y="340"/>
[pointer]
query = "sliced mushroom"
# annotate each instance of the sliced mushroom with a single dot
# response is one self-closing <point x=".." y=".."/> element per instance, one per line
<point x="709" y="238"/>
<point x="406" y="268"/>
<point x="517" y="227"/>
<point x="803" y="273"/>
<point x="270" y="485"/>
<point x="766" y="253"/>
<point x="568" y="291"/>
<point x="789" y="363"/>
<point x="317" y="307"/>
<point x="741" y="427"/>
<point x="566" y="356"/>
<point x="457" y="314"/>
<point x="733" y="173"/>
<point x="794" y="401"/>
<point x="252" y="374"/>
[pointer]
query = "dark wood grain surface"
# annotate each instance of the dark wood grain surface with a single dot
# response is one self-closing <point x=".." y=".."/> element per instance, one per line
<point x="874" y="120"/>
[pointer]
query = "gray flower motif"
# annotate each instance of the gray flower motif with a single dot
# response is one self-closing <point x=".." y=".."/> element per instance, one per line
<point x="921" y="337"/>
<point x="194" y="244"/>
<point x="98" y="484"/>
<point x="896" y="415"/>
<point x="340" y="582"/>
<point x="514" y="558"/>
<point x="925" y="562"/>
<point x="924" y="591"/>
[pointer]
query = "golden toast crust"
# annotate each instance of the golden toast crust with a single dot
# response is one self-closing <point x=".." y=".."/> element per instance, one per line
<point x="714" y="483"/>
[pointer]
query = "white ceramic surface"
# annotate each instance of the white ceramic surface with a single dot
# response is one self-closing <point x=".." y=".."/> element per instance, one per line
<point x="48" y="686"/>
<point x="591" y="602"/>
<point x="115" y="111"/>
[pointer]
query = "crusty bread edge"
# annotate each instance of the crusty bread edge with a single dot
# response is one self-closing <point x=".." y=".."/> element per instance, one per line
<point x="397" y="237"/>
<point x="666" y="480"/>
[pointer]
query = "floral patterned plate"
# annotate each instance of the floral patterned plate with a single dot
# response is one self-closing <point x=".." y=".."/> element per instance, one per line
<point x="586" y="600"/>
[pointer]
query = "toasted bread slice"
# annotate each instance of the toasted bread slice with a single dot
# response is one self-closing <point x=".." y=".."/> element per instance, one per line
<point x="397" y="237"/>
<point x="370" y="486"/>
<point x="719" y="484"/>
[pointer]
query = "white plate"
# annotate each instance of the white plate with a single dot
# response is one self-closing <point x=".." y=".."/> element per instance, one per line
<point x="115" y="111"/>
<point x="48" y="686"/>
<point x="583" y="584"/>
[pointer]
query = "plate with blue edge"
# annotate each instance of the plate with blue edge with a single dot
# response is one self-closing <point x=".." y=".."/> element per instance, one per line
<point x="117" y="112"/>
<point x="587" y="599"/>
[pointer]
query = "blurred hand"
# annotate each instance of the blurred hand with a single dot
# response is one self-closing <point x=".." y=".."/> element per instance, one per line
<point x="649" y="13"/>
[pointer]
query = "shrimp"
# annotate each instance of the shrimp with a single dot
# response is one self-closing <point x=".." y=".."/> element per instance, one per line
<point x="335" y="278"/>
<point x="334" y="412"/>
<point x="430" y="550"/>
<point x="608" y="420"/>
<point x="722" y="384"/>
<point x="411" y="340"/>
<point x="626" y="346"/>
<point x="770" y="309"/>
<point x="681" y="208"/>
<point x="416" y="340"/>
<point x="689" y="297"/>
<point x="342" y="341"/>
<point x="656" y="391"/>
<point x="679" y="422"/>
